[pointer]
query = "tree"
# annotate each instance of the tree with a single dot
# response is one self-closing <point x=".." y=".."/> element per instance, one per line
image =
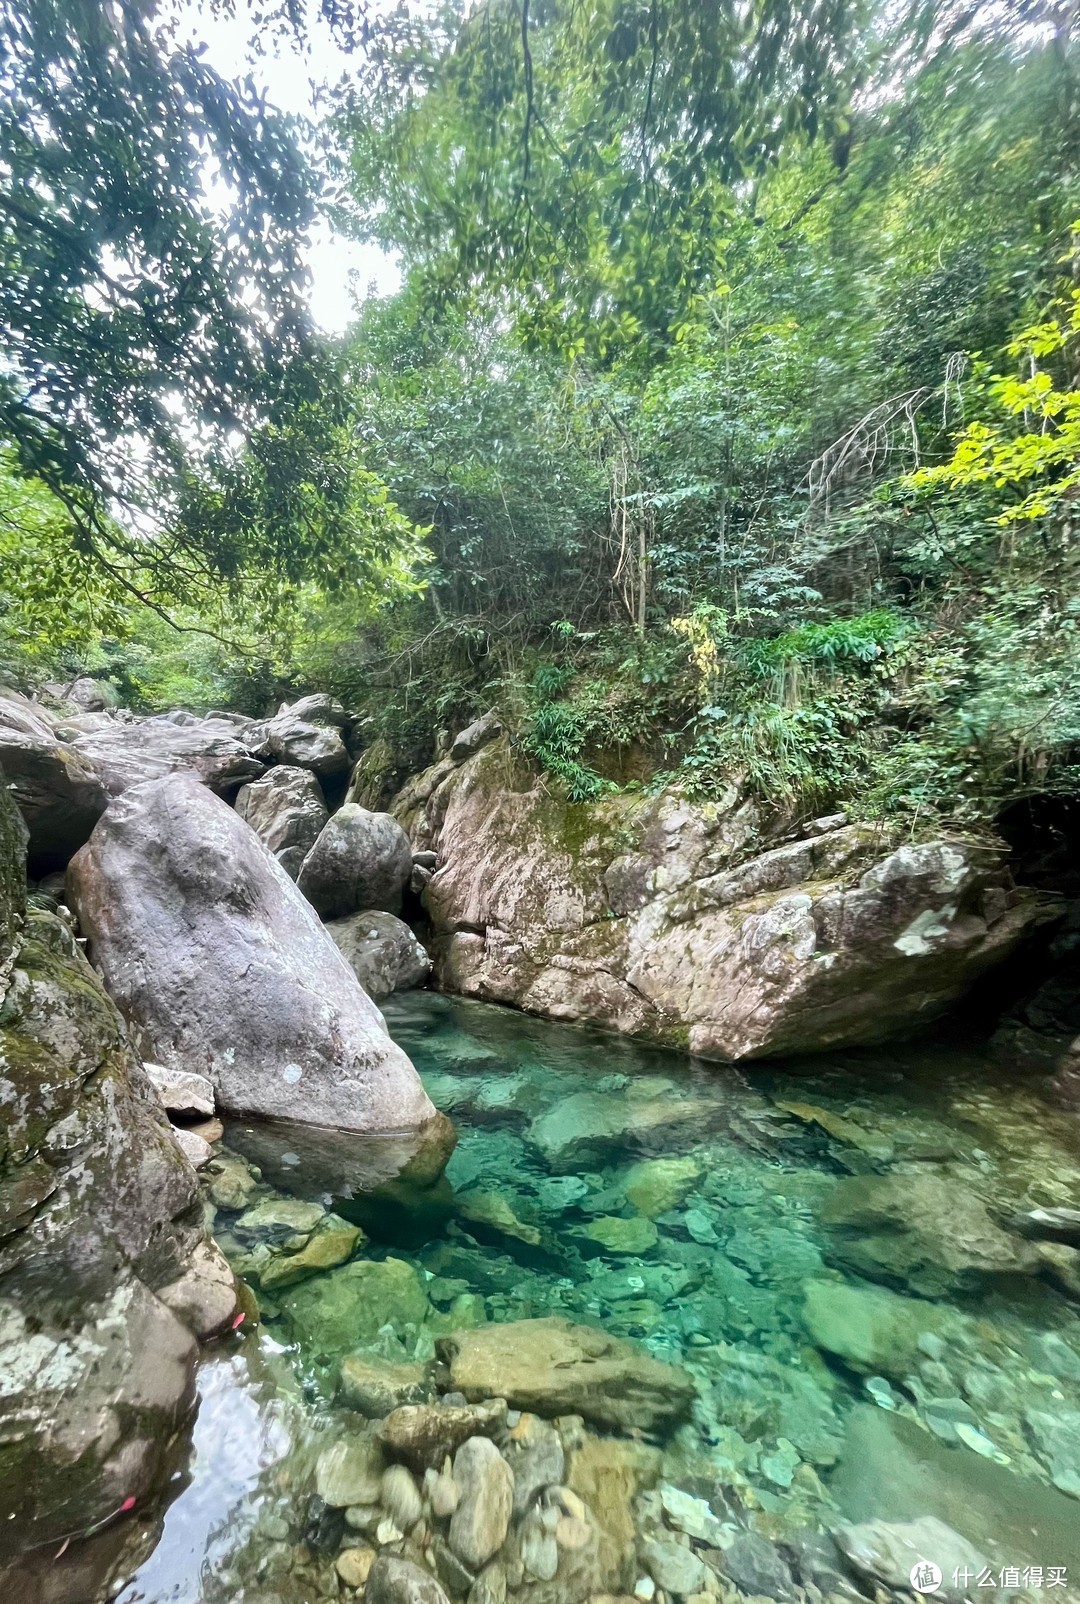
<point x="159" y="372"/>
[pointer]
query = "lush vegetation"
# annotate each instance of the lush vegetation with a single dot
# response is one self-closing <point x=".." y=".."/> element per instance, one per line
<point x="733" y="379"/>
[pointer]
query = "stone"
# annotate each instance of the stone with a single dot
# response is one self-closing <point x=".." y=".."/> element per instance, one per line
<point x="557" y="1193"/>
<point x="395" y="1580"/>
<point x="360" y="860"/>
<point x="677" y="934"/>
<point x="307" y="735"/>
<point x="332" y="1243"/>
<point x="924" y="1230"/>
<point x="535" y="1454"/>
<point x="89" y="695"/>
<point x="485" y="1483"/>
<point x="474" y="736"/>
<point x="276" y="1218"/>
<point x="133" y="751"/>
<point x="209" y="948"/>
<point x="57" y="791"/>
<point x="353" y="1565"/>
<point x="209" y="1130"/>
<point x="442" y="1491"/>
<point x="677" y="1570"/>
<point x="197" y="1151"/>
<point x="1052" y="1224"/>
<point x="490" y="1585"/>
<point x="616" y="1235"/>
<point x="608" y="1474"/>
<point x="583" y="1129"/>
<point x="331" y="1313"/>
<point x="400" y="1495"/>
<point x="654" y="1186"/>
<point x="349" y="1472"/>
<point x="375" y="1386"/>
<point x="552" y="1367"/>
<point x="494" y="1214"/>
<point x="181" y="1091"/>
<point x="206" y="1297"/>
<point x="286" y="809"/>
<point x="873" y="1330"/>
<point x="424" y="1435"/>
<point x="232" y="1184"/>
<point x="1056" y="1440"/>
<point x="888" y="1551"/>
<point x="381" y="950"/>
<point x="757" y="1567"/>
<point x="539" y="1552"/>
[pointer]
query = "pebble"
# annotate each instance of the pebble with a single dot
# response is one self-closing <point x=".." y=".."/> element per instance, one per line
<point x="400" y="1496"/>
<point x="539" y="1552"/>
<point x="675" y="1569"/>
<point x="442" y="1491"/>
<point x="645" y="1589"/>
<point x="387" y="1532"/>
<point x="479" y="1525"/>
<point x="353" y="1564"/>
<point x="571" y="1533"/>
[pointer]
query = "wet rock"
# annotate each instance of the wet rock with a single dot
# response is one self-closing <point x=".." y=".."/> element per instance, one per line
<point x="1053" y="1355"/>
<point x="181" y="1092"/>
<point x="873" y="1330"/>
<point x="197" y="1152"/>
<point x="332" y="1243"/>
<point x="655" y="1185"/>
<point x="553" y="1367"/>
<point x="330" y="1314"/>
<point x="400" y="1495"/>
<point x="393" y="1580"/>
<point x="925" y="1230"/>
<point x="757" y="1567"/>
<point x="557" y="1193"/>
<point x="615" y="1235"/>
<point x="692" y="1516"/>
<point x="353" y="1565"/>
<point x="479" y="1524"/>
<point x="56" y="790"/>
<point x="287" y="811"/>
<point x="276" y="1218"/>
<point x="490" y="1585"/>
<point x="375" y="1386"/>
<point x="534" y="1452"/>
<point x="207" y="945"/>
<point x="677" y="1570"/>
<point x="1053" y="1225"/>
<point x="539" y="1552"/>
<point x="350" y="1472"/>
<point x="493" y="1214"/>
<point x="206" y="1297"/>
<point x="1056" y="1440"/>
<point x="232" y="1184"/>
<point x="381" y="951"/>
<point x="583" y="1129"/>
<point x="307" y="734"/>
<point x="452" y="1572"/>
<point x="442" y="1491"/>
<point x="360" y="860"/>
<point x="424" y="1434"/>
<point x="887" y="1552"/>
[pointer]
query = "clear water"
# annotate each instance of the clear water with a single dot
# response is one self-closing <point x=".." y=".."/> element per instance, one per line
<point x="537" y="1216"/>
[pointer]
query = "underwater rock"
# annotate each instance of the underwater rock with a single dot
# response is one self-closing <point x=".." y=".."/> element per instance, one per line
<point x="656" y="1185"/>
<point x="423" y="1435"/>
<point x="534" y="1452"/>
<point x="927" y="1230"/>
<point x="584" y="1129"/>
<point x="400" y="1495"/>
<point x="286" y="809"/>
<point x="677" y="1570"/>
<point x="353" y="1565"/>
<point x="360" y="860"/>
<point x="375" y="1386"/>
<point x="394" y="1580"/>
<point x="479" y="1524"/>
<point x="552" y="1367"/>
<point x="873" y="1330"/>
<point x="332" y="1314"/>
<point x="888" y="1552"/>
<point x="381" y="951"/>
<point x="332" y="1243"/>
<point x="616" y="1235"/>
<point x="209" y="948"/>
<point x="492" y="1212"/>
<point x="349" y="1472"/>
<point x="1056" y="1440"/>
<point x="206" y="1297"/>
<point x="757" y="1567"/>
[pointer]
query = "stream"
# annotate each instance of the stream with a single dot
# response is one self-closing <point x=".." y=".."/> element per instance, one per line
<point x="933" y="1367"/>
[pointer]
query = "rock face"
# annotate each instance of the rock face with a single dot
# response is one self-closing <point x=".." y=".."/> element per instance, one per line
<point x="57" y="791"/>
<point x="208" y="947"/>
<point x="381" y="951"/>
<point x="556" y="1368"/>
<point x="100" y="1229"/>
<point x="127" y="752"/>
<point x="286" y="810"/>
<point x="360" y="860"/>
<point x="650" y="916"/>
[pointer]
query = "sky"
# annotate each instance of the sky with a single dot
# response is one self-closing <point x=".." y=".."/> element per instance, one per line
<point x="341" y="269"/>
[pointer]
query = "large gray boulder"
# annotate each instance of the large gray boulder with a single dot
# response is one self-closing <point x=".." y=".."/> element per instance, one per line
<point x="360" y="860"/>
<point x="129" y="751"/>
<point x="381" y="950"/>
<point x="209" y="948"/>
<point x="57" y="790"/>
<point x="307" y="734"/>
<point x="659" y="918"/>
<point x="286" y="809"/>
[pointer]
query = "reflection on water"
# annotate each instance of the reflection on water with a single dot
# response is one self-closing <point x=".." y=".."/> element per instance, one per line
<point x="834" y="1257"/>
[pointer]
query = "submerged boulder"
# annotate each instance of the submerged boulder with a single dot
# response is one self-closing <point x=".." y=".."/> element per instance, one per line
<point x="209" y="948"/>
<point x="56" y="789"/>
<point x="381" y="951"/>
<point x="659" y="918"/>
<point x="286" y="809"/>
<point x="360" y="860"/>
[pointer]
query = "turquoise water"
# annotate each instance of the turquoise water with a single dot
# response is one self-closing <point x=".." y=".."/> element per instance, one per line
<point x="688" y="1208"/>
